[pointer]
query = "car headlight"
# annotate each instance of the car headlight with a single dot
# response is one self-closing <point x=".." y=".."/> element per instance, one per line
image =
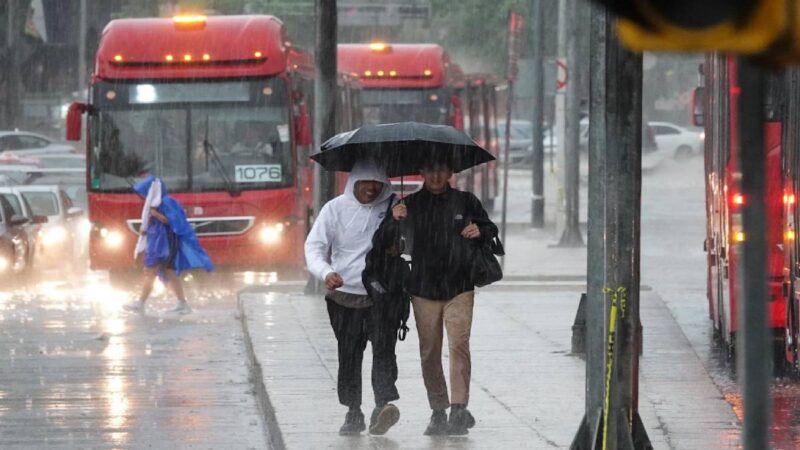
<point x="4" y="263"/>
<point x="702" y="135"/>
<point x="112" y="238"/>
<point x="271" y="233"/>
<point x="54" y="236"/>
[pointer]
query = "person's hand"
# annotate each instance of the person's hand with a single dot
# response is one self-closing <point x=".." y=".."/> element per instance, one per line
<point x="158" y="216"/>
<point x="400" y="212"/>
<point x="333" y="281"/>
<point x="471" y="231"/>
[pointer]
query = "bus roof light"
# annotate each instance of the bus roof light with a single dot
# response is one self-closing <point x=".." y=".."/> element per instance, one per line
<point x="427" y="72"/>
<point x="117" y="58"/>
<point x="380" y="73"/>
<point x="379" y="47"/>
<point x="738" y="199"/>
<point x="206" y="57"/>
<point x="189" y="22"/>
<point x="187" y="57"/>
<point x="258" y="54"/>
<point x="169" y="58"/>
<point x="739" y="236"/>
<point x="392" y="73"/>
<point x="367" y="73"/>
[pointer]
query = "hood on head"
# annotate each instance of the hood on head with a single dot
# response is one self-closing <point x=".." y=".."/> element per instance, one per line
<point x="364" y="170"/>
<point x="143" y="186"/>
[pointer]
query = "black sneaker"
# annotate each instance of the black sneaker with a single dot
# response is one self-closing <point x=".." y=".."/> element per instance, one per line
<point x="353" y="423"/>
<point x="383" y="417"/>
<point x="461" y="420"/>
<point x="438" y="424"/>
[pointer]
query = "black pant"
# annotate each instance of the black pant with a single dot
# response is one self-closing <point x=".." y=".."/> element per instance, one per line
<point x="353" y="328"/>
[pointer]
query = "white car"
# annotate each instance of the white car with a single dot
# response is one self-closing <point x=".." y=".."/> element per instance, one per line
<point x="24" y="143"/>
<point x="64" y="238"/>
<point x="676" y="140"/>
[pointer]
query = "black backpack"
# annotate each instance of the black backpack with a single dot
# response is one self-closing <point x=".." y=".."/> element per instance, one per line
<point x="385" y="275"/>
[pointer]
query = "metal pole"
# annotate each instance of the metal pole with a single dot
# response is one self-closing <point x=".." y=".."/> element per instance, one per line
<point x="537" y="75"/>
<point x="324" y="105"/>
<point x="82" y="47"/>
<point x="509" y="106"/>
<point x="753" y="344"/>
<point x="325" y="94"/>
<point x="615" y="136"/>
<point x="13" y="89"/>
<point x="571" y="236"/>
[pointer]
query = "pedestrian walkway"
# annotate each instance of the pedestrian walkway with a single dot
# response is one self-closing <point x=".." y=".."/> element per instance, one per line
<point x="527" y="389"/>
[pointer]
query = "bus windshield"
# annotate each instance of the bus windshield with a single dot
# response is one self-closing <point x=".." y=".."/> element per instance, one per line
<point x="197" y="136"/>
<point x="400" y="105"/>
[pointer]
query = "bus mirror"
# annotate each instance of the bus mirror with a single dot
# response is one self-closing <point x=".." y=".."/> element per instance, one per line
<point x="302" y="127"/>
<point x="698" y="102"/>
<point x="74" y="123"/>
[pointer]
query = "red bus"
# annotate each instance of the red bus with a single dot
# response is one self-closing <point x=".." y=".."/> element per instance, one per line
<point x="723" y="202"/>
<point x="216" y="106"/>
<point x="418" y="82"/>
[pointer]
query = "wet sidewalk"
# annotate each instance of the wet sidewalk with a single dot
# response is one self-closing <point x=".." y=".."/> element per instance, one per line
<point x="78" y="373"/>
<point x="527" y="389"/>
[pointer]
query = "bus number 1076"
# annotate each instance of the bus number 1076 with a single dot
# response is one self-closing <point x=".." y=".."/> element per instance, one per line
<point x="258" y="173"/>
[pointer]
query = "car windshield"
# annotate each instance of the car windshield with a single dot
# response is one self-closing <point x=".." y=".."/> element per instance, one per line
<point x="42" y="203"/>
<point x="15" y="204"/>
<point x="196" y="136"/>
<point x="401" y="105"/>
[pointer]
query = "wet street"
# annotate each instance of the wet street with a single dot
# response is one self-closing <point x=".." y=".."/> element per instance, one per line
<point x="77" y="372"/>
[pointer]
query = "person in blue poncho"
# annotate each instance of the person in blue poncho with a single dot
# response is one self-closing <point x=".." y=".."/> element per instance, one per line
<point x="168" y="242"/>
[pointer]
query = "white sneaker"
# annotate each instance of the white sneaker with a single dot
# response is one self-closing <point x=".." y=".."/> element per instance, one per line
<point x="134" y="307"/>
<point x="182" y="308"/>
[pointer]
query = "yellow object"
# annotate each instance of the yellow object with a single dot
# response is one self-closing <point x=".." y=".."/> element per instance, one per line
<point x="765" y="25"/>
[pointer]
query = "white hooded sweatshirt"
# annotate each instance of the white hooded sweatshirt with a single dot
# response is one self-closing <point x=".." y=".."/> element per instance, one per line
<point x="342" y="233"/>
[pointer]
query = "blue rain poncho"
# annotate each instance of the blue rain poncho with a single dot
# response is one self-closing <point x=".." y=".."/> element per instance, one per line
<point x="173" y="244"/>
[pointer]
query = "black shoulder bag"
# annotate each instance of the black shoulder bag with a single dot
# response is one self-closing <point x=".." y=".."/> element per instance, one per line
<point x="485" y="267"/>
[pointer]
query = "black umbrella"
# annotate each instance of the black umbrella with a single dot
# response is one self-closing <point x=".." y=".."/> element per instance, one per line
<point x="402" y="148"/>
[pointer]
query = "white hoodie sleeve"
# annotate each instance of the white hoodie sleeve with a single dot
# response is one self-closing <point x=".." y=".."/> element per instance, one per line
<point x="319" y="242"/>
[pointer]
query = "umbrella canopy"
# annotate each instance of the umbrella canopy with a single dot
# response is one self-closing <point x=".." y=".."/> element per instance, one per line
<point x="402" y="148"/>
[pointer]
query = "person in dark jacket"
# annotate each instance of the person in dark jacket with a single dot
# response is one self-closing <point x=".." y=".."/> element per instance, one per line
<point x="440" y="226"/>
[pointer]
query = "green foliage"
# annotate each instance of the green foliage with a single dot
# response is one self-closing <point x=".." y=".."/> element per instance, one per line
<point x="474" y="31"/>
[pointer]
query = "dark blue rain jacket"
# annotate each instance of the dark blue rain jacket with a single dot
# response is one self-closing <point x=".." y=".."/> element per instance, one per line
<point x="174" y="243"/>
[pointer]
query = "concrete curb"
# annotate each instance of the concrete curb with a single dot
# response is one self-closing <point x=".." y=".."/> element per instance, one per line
<point x="273" y="430"/>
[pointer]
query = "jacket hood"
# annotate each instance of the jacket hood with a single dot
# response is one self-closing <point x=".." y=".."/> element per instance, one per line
<point x="364" y="170"/>
<point x="143" y="187"/>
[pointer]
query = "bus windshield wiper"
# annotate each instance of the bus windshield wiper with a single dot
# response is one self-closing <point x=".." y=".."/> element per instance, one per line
<point x="208" y="148"/>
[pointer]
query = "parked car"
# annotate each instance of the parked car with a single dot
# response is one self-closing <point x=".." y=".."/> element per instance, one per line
<point x="680" y="141"/>
<point x="24" y="143"/>
<point x="521" y="142"/>
<point x="15" y="244"/>
<point x="64" y="237"/>
<point x="652" y="152"/>
<point x="22" y="208"/>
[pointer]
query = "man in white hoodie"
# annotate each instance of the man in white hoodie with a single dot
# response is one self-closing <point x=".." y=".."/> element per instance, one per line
<point x="336" y="250"/>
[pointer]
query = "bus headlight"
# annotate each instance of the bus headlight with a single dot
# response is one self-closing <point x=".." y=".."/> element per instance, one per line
<point x="112" y="238"/>
<point x="271" y="233"/>
<point x="52" y="236"/>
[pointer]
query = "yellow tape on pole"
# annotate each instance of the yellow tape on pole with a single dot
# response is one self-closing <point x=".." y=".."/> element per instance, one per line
<point x="618" y="302"/>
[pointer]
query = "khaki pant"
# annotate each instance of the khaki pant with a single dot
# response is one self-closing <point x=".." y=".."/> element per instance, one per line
<point x="456" y="316"/>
